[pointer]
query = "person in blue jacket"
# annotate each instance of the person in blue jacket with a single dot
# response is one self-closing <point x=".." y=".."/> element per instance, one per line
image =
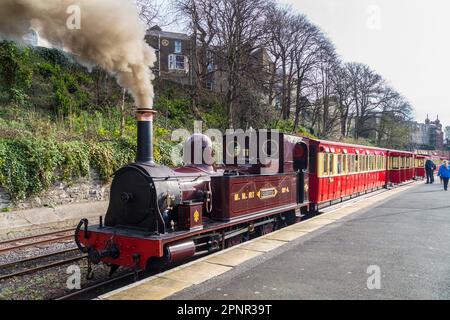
<point x="444" y="173"/>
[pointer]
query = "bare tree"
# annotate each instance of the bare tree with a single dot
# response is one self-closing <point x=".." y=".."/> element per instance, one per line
<point x="280" y="44"/>
<point x="367" y="90"/>
<point x="345" y="100"/>
<point x="200" y="23"/>
<point x="152" y="12"/>
<point x="310" y="49"/>
<point x="239" y="28"/>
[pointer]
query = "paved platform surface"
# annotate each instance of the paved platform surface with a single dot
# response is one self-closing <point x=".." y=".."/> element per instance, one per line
<point x="407" y="237"/>
<point x="326" y="256"/>
<point x="41" y="220"/>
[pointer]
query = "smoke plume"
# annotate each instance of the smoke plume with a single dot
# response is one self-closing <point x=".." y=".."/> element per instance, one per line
<point x="106" y="33"/>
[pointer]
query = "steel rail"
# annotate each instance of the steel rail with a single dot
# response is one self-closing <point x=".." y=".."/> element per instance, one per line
<point x="31" y="244"/>
<point x="9" y="264"/>
<point x="95" y="285"/>
<point x="43" y="267"/>
<point x="35" y="236"/>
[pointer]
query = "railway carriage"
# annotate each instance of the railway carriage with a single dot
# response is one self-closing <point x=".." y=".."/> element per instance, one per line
<point x="419" y="166"/>
<point x="400" y="166"/>
<point x="344" y="170"/>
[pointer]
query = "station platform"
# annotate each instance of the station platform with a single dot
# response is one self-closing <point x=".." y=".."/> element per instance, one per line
<point x="40" y="220"/>
<point x="403" y="233"/>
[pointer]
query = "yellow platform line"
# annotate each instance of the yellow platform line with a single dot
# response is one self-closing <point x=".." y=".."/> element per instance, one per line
<point x="175" y="280"/>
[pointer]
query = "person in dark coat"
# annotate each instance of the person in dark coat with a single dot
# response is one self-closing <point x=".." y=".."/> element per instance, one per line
<point x="429" y="168"/>
<point x="444" y="173"/>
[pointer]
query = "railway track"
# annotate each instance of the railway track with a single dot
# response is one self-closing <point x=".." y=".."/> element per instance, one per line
<point x="35" y="263"/>
<point x="47" y="265"/>
<point x="30" y="241"/>
<point x="96" y="285"/>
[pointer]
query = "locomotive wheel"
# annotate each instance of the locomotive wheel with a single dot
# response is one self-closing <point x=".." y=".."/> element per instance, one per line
<point x="266" y="229"/>
<point x="234" y="241"/>
<point x="156" y="264"/>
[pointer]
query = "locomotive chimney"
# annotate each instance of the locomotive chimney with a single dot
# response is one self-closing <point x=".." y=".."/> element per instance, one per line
<point x="144" y="118"/>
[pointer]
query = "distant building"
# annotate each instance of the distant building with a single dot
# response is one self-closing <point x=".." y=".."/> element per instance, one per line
<point x="173" y="51"/>
<point x="428" y="135"/>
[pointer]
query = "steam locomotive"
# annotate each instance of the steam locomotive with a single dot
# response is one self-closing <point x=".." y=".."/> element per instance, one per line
<point x="159" y="216"/>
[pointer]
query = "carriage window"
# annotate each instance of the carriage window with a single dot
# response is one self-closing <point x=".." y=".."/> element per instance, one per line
<point x="351" y="165"/>
<point x="345" y="163"/>
<point x="339" y="163"/>
<point x="331" y="164"/>
<point x="323" y="162"/>
<point x="395" y="162"/>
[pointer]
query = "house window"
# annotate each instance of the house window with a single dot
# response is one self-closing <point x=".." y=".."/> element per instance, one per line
<point x="209" y="85"/>
<point x="177" y="62"/>
<point x="209" y="58"/>
<point x="177" y="46"/>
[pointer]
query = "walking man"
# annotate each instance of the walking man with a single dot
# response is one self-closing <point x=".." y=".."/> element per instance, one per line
<point x="444" y="173"/>
<point x="429" y="168"/>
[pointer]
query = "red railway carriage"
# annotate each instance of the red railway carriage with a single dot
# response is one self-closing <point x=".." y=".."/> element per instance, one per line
<point x="419" y="166"/>
<point x="400" y="166"/>
<point x="342" y="170"/>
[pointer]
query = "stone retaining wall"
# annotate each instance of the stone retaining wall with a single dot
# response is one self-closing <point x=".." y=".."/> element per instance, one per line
<point x="91" y="188"/>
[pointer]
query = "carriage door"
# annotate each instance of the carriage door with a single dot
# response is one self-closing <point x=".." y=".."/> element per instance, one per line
<point x="300" y="156"/>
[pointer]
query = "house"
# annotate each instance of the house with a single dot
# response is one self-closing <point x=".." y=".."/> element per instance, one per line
<point x="173" y="51"/>
<point x="175" y="58"/>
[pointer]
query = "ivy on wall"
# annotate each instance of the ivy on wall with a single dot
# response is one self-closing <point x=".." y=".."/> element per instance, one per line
<point x="29" y="166"/>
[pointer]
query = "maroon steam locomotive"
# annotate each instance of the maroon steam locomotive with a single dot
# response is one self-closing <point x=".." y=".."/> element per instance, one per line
<point x="159" y="216"/>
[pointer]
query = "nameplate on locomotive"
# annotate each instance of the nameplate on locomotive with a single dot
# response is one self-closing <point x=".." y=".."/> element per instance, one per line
<point x="267" y="193"/>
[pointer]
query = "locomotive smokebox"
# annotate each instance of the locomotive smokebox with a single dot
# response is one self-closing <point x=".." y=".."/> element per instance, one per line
<point x="144" y="117"/>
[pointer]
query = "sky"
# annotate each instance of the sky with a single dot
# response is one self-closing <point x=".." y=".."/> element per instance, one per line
<point x="405" y="41"/>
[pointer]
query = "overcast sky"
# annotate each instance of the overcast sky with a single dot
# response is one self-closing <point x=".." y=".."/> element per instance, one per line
<point x="406" y="41"/>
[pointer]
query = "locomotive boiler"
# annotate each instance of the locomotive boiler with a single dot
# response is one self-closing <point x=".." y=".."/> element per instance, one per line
<point x="158" y="215"/>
